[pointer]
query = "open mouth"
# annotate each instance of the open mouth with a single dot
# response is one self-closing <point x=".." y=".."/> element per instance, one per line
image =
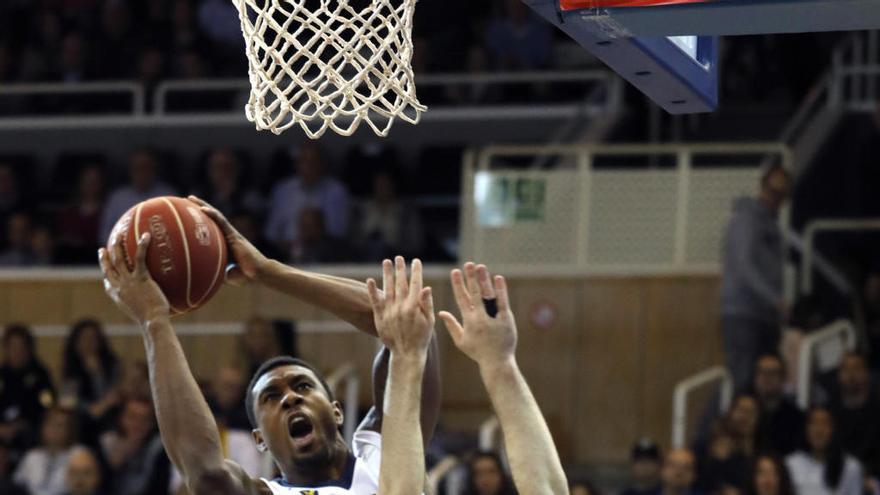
<point x="301" y="430"/>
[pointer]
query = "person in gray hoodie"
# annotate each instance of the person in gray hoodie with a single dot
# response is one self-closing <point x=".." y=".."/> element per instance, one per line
<point x="752" y="306"/>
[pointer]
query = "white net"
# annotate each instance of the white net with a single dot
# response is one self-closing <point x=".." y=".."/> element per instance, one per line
<point x="330" y="64"/>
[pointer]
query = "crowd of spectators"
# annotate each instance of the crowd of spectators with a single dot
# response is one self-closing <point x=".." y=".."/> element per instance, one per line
<point x="93" y="430"/>
<point x="305" y="215"/>
<point x="765" y="445"/>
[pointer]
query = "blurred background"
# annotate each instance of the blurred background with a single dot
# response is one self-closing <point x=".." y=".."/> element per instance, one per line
<point x="708" y="283"/>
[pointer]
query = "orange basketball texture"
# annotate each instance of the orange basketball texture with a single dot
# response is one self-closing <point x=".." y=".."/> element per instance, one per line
<point x="187" y="253"/>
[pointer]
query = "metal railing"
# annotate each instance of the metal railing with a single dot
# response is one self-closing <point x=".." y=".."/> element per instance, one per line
<point x="581" y="175"/>
<point x="684" y="388"/>
<point x="825" y="225"/>
<point x="347" y="375"/>
<point x="133" y="89"/>
<point x="489" y="432"/>
<point x="840" y="329"/>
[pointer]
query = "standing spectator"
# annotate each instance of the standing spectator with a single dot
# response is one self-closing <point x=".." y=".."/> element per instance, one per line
<point x="118" y="43"/>
<point x="225" y="189"/>
<point x="84" y="475"/>
<point x="315" y="244"/>
<point x="782" y="423"/>
<point x="41" y="57"/>
<point x="751" y="283"/>
<point x="388" y="226"/>
<point x="77" y="225"/>
<point x="645" y="467"/>
<point x="679" y="473"/>
<point x="144" y="183"/>
<point x="486" y="476"/>
<point x="220" y="23"/>
<point x="43" y="469"/>
<point x="856" y="413"/>
<point x="135" y="453"/>
<point x="19" y="234"/>
<point x="310" y="188"/>
<point x="769" y="476"/>
<point x="27" y="390"/>
<point x="7" y="485"/>
<point x="871" y="296"/>
<point x="519" y="40"/>
<point x="824" y="469"/>
<point x="73" y="66"/>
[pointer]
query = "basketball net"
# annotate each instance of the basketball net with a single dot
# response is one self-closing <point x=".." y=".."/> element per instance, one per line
<point x="326" y="64"/>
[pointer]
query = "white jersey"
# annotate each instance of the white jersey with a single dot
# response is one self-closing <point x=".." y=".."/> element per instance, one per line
<point x="361" y="476"/>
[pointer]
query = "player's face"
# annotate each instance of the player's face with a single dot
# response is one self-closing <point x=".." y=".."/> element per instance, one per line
<point x="297" y="421"/>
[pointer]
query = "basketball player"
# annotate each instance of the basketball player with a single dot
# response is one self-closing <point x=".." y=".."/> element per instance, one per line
<point x="488" y="336"/>
<point x="292" y="410"/>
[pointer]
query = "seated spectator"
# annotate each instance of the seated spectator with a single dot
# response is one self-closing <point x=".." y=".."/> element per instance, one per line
<point x="226" y="398"/>
<point x="135" y="452"/>
<point x="144" y="183"/>
<point x="486" y="476"/>
<point x="43" y="469"/>
<point x="91" y="375"/>
<point x="823" y="468"/>
<point x="225" y="189"/>
<point x="725" y="463"/>
<point x="84" y="476"/>
<point x="644" y="468"/>
<point x="27" y="390"/>
<point x="315" y="244"/>
<point x="43" y="246"/>
<point x="7" y="485"/>
<point x="388" y="226"/>
<point x="310" y="188"/>
<point x="519" y="40"/>
<point x="782" y="423"/>
<point x="117" y="40"/>
<point x="77" y="224"/>
<point x="769" y="476"/>
<point x="679" y="473"/>
<point x="871" y="296"/>
<point x="136" y="382"/>
<point x="185" y="35"/>
<point x="583" y="488"/>
<point x="19" y="236"/>
<point x="856" y="413"/>
<point x="260" y="343"/>
<point x="73" y="64"/>
<point x="40" y="58"/>
<point x="11" y="200"/>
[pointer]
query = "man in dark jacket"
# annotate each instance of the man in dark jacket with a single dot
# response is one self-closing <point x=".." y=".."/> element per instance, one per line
<point x="751" y="283"/>
<point x="782" y="424"/>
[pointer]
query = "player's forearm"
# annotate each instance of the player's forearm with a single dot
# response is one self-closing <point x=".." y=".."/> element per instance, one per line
<point x="186" y="424"/>
<point x="534" y="462"/>
<point x="403" y="469"/>
<point x="345" y="298"/>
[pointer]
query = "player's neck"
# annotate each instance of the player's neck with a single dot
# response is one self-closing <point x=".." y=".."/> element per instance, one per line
<point x="332" y="470"/>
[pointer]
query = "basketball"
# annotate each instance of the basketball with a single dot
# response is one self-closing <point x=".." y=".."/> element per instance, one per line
<point x="187" y="252"/>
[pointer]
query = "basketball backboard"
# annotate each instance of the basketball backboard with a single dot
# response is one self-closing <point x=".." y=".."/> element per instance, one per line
<point x="669" y="48"/>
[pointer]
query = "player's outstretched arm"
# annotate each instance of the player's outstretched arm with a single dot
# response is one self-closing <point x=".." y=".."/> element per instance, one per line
<point x="343" y="297"/>
<point x="491" y="342"/>
<point x="186" y="424"/>
<point x="404" y="316"/>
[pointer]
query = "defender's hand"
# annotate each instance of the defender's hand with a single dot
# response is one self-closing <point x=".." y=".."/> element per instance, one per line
<point x="134" y="292"/>
<point x="247" y="261"/>
<point x="403" y="312"/>
<point x="487" y="340"/>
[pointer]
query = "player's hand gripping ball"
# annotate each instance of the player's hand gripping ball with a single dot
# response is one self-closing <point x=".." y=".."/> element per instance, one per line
<point x="187" y="253"/>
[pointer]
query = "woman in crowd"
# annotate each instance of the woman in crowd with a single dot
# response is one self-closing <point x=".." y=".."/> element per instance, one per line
<point x="724" y="463"/>
<point x="27" y="389"/>
<point x="769" y="476"/>
<point x="486" y="476"/>
<point x="43" y="469"/>
<point x="91" y="375"/>
<point x="823" y="468"/>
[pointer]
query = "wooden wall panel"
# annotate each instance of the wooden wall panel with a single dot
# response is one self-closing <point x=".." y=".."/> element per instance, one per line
<point x="609" y="354"/>
<point x="603" y="373"/>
